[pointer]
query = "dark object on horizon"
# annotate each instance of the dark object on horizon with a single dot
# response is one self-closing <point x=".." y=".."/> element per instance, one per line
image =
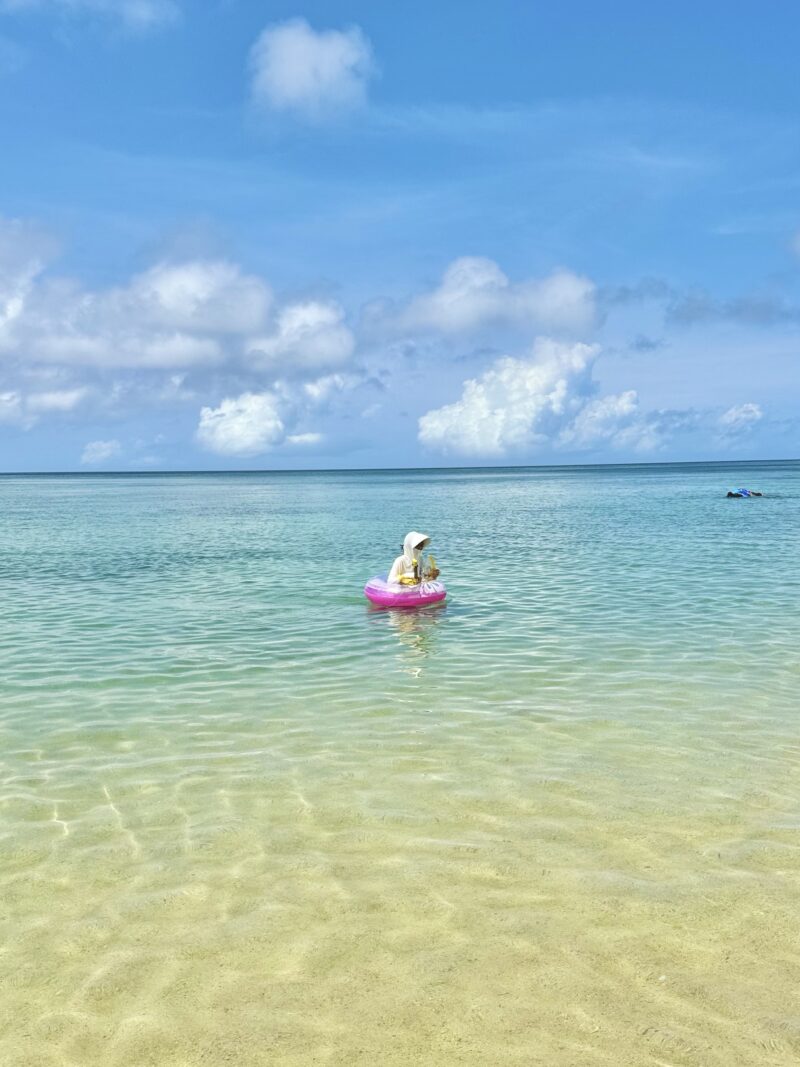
<point x="742" y="493"/>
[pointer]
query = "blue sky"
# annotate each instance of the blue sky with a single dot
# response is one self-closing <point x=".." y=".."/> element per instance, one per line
<point x="246" y="235"/>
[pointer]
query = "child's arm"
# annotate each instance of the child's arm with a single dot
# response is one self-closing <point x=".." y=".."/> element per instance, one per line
<point x="394" y="573"/>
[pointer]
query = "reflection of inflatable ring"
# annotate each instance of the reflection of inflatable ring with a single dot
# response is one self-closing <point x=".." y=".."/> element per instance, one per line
<point x="380" y="592"/>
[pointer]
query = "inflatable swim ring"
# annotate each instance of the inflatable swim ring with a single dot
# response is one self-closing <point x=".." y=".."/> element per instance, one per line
<point x="380" y="592"/>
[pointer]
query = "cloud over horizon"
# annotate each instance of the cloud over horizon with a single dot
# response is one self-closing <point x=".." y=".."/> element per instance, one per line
<point x="523" y="403"/>
<point x="98" y="452"/>
<point x="176" y="333"/>
<point x="549" y="401"/>
<point x="257" y="372"/>
<point x="247" y="425"/>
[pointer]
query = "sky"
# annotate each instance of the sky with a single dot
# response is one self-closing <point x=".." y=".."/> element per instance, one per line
<point x="248" y="235"/>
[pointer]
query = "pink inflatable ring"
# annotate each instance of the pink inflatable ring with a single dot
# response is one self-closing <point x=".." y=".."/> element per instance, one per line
<point x="380" y="592"/>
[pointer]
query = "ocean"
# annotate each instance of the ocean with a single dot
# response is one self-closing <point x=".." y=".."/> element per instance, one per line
<point x="247" y="819"/>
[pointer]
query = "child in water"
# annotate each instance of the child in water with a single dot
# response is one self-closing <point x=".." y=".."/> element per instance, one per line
<point x="410" y="568"/>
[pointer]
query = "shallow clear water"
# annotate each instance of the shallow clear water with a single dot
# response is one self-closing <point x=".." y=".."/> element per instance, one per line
<point x="246" y="819"/>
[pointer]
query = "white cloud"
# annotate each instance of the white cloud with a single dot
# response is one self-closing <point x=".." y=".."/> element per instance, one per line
<point x="246" y="425"/>
<point x="616" y="420"/>
<point x="135" y="15"/>
<point x="265" y="374"/>
<point x="321" y="389"/>
<point x="514" y="404"/>
<point x="24" y="251"/>
<point x="100" y="451"/>
<point x="173" y="334"/>
<point x="304" y="439"/>
<point x="173" y="316"/>
<point x="55" y="400"/>
<point x="740" y="419"/>
<point x="475" y="293"/>
<point x="25" y="409"/>
<point x="208" y="295"/>
<point x="11" y="407"/>
<point x="170" y="316"/>
<point x="307" y="336"/>
<point x="547" y="399"/>
<point x="312" y="73"/>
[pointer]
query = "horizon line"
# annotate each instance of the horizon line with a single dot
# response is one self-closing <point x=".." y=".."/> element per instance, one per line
<point x="386" y="470"/>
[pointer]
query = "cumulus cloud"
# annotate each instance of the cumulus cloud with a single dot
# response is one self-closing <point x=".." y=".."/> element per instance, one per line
<point x="517" y="402"/>
<point x="264" y="373"/>
<point x="306" y="336"/>
<point x="740" y="419"/>
<point x="97" y="452"/>
<point x="208" y="295"/>
<point x="547" y="399"/>
<point x="176" y="333"/>
<point x="171" y="316"/>
<point x="247" y="425"/>
<point x="475" y="293"/>
<point x="135" y="15"/>
<point x="604" y="419"/>
<point x="312" y="73"/>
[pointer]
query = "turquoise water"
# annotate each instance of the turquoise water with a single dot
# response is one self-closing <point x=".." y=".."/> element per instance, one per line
<point x="247" y="819"/>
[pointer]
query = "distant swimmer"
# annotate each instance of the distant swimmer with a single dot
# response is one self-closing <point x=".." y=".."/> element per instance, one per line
<point x="741" y="493"/>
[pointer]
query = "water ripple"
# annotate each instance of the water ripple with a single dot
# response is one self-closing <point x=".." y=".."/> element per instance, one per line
<point x="248" y="819"/>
